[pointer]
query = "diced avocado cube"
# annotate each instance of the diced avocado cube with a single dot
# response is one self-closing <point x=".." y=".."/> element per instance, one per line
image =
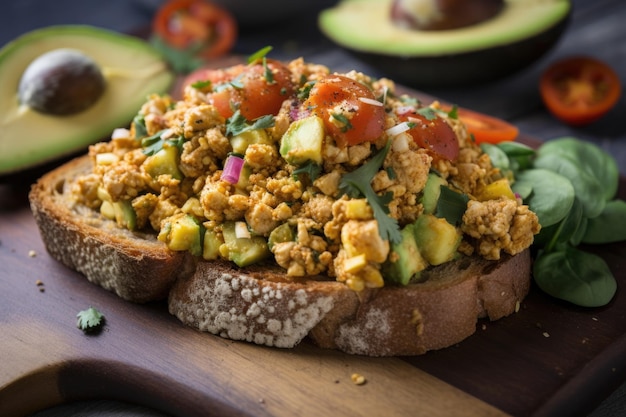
<point x="211" y="245"/>
<point x="282" y="233"/>
<point x="164" y="161"/>
<point x="436" y="239"/>
<point x="405" y="259"/>
<point x="431" y="192"/>
<point x="241" y="141"/>
<point x="125" y="215"/>
<point x="243" y="251"/>
<point x="183" y="233"/>
<point x="303" y="141"/>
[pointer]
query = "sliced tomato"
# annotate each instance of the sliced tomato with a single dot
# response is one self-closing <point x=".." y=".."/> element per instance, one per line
<point x="200" y="24"/>
<point x="579" y="90"/>
<point x="433" y="134"/>
<point x="485" y="128"/>
<point x="349" y="109"/>
<point x="257" y="89"/>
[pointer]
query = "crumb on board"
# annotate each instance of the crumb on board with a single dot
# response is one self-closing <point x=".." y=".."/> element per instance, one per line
<point x="546" y="334"/>
<point x="39" y="284"/>
<point x="32" y="253"/>
<point x="358" y="379"/>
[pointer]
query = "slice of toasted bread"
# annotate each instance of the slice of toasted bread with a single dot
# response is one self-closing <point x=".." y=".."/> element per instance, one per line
<point x="259" y="304"/>
<point x="135" y="266"/>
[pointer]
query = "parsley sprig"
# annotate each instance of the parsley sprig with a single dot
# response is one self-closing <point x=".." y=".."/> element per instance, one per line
<point x="358" y="183"/>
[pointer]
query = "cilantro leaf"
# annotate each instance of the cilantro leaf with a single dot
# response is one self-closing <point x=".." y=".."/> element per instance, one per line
<point x="89" y="320"/>
<point x="182" y="61"/>
<point x="139" y="122"/>
<point x="153" y="144"/>
<point x="428" y="113"/>
<point x="237" y="123"/>
<point x="310" y="168"/>
<point x="451" y="205"/>
<point x="358" y="184"/>
<point x="346" y="125"/>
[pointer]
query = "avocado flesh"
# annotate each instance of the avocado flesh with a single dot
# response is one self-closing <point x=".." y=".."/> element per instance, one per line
<point x="365" y="25"/>
<point x="131" y="67"/>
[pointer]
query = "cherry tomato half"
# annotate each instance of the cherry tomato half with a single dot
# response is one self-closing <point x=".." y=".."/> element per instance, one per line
<point x="579" y="90"/>
<point x="433" y="134"/>
<point x="185" y="24"/>
<point x="349" y="109"/>
<point x="484" y="128"/>
<point x="257" y="89"/>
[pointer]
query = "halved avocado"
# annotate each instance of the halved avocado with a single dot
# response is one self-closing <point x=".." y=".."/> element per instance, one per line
<point x="522" y="32"/>
<point x="132" y="70"/>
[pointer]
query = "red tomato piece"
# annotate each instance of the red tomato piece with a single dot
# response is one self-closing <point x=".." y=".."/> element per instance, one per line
<point x="579" y="90"/>
<point x="257" y="89"/>
<point x="433" y="134"/>
<point x="349" y="110"/>
<point x="186" y="24"/>
<point x="484" y="128"/>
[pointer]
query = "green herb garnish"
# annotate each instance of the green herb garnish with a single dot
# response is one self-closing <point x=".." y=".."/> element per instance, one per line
<point x="357" y="184"/>
<point x="309" y="168"/>
<point x="346" y="125"/>
<point x="261" y="53"/>
<point x="237" y="123"/>
<point x="90" y="320"/>
<point x="153" y="144"/>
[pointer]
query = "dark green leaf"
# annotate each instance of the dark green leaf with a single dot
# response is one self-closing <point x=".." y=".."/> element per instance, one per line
<point x="309" y="168"/>
<point x="358" y="184"/>
<point x="609" y="226"/>
<point x="572" y="275"/>
<point x="451" y="205"/>
<point x="237" y="123"/>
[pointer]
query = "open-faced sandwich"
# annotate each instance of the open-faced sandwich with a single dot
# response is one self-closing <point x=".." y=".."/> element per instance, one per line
<point x="278" y="201"/>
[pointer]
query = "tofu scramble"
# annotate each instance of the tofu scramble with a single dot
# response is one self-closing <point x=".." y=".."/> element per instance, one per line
<point x="322" y="173"/>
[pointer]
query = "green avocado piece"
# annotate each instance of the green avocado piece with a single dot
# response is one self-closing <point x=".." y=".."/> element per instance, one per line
<point x="521" y="33"/>
<point x="407" y="259"/>
<point x="431" y="192"/>
<point x="241" y="250"/>
<point x="132" y="70"/>
<point x="365" y="25"/>
<point x="436" y="239"/>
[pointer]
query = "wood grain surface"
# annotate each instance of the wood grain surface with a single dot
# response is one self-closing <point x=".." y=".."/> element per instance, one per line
<point x="550" y="358"/>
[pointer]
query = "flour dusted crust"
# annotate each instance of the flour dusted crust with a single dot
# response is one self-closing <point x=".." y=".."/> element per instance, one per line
<point x="259" y="304"/>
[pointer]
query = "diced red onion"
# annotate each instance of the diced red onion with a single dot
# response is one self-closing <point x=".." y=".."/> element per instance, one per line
<point x="232" y="169"/>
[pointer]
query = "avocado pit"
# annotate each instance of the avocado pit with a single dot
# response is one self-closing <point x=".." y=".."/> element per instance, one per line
<point x="61" y="82"/>
<point x="443" y="14"/>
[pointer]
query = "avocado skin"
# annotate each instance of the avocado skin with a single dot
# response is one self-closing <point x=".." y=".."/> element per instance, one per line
<point x="29" y="139"/>
<point x="468" y="68"/>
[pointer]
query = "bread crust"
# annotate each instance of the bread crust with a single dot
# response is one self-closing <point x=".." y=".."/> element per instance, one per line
<point x="135" y="266"/>
<point x="259" y="304"/>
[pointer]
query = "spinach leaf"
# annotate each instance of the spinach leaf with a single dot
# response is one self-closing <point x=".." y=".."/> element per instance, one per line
<point x="499" y="158"/>
<point x="609" y="226"/>
<point x="561" y="233"/>
<point x="572" y="275"/>
<point x="552" y="194"/>
<point x="586" y="185"/>
<point x="589" y="158"/>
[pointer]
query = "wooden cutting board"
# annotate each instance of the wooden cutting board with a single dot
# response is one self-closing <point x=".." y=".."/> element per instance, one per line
<point x="549" y="359"/>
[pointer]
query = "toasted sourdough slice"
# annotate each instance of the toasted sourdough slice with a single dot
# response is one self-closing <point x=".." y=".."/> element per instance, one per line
<point x="135" y="266"/>
<point x="260" y="303"/>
